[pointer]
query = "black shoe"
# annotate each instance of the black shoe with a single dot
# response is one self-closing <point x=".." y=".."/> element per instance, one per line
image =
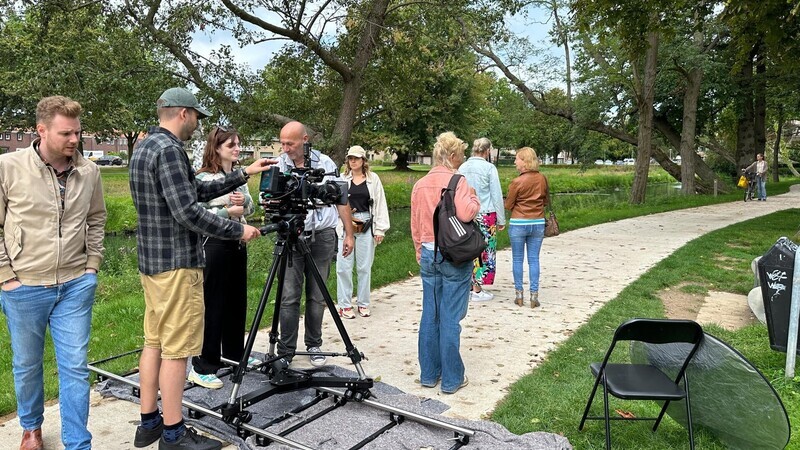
<point x="145" y="436"/>
<point x="190" y="440"/>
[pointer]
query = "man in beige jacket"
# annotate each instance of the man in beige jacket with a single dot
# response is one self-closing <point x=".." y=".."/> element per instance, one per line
<point x="52" y="217"/>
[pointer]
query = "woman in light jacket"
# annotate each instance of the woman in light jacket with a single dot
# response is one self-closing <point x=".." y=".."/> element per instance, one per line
<point x="445" y="286"/>
<point x="760" y="167"/>
<point x="482" y="176"/>
<point x="527" y="198"/>
<point x="368" y="202"/>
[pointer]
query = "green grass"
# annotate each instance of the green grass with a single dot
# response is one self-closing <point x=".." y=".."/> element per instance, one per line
<point x="117" y="318"/>
<point x="552" y="397"/>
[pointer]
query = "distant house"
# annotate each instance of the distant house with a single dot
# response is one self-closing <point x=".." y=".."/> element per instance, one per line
<point x="15" y="140"/>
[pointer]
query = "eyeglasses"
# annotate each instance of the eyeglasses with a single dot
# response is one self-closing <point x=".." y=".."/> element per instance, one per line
<point x="222" y="129"/>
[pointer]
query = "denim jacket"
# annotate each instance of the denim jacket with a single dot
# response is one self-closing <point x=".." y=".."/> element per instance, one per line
<point x="482" y="175"/>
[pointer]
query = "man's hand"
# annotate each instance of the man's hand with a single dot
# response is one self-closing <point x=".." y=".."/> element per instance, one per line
<point x="11" y="284"/>
<point x="237" y="198"/>
<point x="250" y="232"/>
<point x="348" y="244"/>
<point x="259" y="165"/>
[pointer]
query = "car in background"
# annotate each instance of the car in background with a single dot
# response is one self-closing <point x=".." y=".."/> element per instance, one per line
<point x="629" y="161"/>
<point x="109" y="160"/>
<point x="598" y="162"/>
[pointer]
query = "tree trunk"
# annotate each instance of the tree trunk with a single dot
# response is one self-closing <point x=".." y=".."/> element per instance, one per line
<point x="564" y="39"/>
<point x="689" y="128"/>
<point x="760" y="94"/>
<point x="401" y="162"/>
<point x="705" y="176"/>
<point x="131" y="137"/>
<point x="776" y="148"/>
<point x="645" y="136"/>
<point x="343" y="129"/>
<point x="745" y="134"/>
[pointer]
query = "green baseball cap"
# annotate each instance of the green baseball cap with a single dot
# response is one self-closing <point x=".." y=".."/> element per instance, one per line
<point x="180" y="97"/>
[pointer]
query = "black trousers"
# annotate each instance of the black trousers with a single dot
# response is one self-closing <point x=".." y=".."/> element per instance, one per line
<point x="225" y="296"/>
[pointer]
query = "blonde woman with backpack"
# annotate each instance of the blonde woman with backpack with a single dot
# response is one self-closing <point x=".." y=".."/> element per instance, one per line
<point x="445" y="286"/>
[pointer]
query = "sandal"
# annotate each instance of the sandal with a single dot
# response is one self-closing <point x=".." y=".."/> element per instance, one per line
<point x="363" y="311"/>
<point x="347" y="313"/>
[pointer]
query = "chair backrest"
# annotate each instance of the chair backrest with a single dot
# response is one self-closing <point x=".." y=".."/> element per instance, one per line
<point x="660" y="331"/>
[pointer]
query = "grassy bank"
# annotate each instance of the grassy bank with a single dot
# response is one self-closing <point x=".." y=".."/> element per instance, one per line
<point x="553" y="396"/>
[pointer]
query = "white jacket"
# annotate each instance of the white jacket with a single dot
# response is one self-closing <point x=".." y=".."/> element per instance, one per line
<point x="379" y="210"/>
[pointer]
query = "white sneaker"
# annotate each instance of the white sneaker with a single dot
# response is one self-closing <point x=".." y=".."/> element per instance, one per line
<point x="209" y="381"/>
<point x="317" y="360"/>
<point x="252" y="362"/>
<point x="482" y="296"/>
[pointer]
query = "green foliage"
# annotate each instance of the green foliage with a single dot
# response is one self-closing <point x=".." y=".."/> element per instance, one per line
<point x="531" y="406"/>
<point x="75" y="49"/>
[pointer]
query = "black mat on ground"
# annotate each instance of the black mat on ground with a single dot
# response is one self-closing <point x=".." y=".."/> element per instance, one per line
<point x="347" y="425"/>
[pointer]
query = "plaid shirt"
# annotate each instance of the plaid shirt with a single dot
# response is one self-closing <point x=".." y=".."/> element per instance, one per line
<point x="165" y="194"/>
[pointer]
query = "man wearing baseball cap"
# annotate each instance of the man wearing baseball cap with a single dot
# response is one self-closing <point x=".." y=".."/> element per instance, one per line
<point x="169" y="245"/>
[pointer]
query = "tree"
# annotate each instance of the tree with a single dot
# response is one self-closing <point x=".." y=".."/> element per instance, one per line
<point x="73" y="49"/>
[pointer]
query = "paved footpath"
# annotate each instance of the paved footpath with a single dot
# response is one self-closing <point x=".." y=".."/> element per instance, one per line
<point x="581" y="271"/>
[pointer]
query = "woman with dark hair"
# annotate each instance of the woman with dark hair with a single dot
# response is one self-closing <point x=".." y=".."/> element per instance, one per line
<point x="225" y="273"/>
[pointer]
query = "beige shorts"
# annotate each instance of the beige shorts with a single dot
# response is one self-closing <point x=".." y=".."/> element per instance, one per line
<point x="174" y="312"/>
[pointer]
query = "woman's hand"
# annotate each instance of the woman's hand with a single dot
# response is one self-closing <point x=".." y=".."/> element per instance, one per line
<point x="235" y="211"/>
<point x="237" y="198"/>
<point x="378" y="239"/>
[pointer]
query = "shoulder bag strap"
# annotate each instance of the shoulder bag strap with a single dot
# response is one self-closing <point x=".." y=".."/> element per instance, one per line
<point x="549" y="194"/>
<point x="450" y="186"/>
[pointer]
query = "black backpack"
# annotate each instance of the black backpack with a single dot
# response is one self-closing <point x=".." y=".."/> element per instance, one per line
<point x="458" y="241"/>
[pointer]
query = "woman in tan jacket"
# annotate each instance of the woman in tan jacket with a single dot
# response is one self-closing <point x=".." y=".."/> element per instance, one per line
<point x="527" y="198"/>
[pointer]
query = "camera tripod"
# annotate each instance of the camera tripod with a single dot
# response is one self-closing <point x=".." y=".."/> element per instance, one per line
<point x="289" y="229"/>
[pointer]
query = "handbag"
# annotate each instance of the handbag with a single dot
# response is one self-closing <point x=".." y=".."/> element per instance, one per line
<point x="358" y="225"/>
<point x="551" y="225"/>
<point x="742" y="182"/>
<point x="550" y="220"/>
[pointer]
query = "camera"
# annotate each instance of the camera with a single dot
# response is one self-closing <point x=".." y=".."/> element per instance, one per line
<point x="299" y="189"/>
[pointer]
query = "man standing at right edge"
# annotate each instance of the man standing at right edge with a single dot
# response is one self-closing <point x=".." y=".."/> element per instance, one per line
<point x="169" y="244"/>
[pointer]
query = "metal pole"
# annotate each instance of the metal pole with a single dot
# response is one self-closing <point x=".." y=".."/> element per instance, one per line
<point x="208" y="412"/>
<point x="407" y="414"/>
<point x="715" y="188"/>
<point x="794" y="318"/>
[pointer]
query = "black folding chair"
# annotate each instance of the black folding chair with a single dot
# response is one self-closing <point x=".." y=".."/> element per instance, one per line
<point x="642" y="381"/>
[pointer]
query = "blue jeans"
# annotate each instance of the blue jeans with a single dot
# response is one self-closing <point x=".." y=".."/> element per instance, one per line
<point x="761" y="183"/>
<point x="522" y="236"/>
<point x="67" y="309"/>
<point x="445" y="295"/>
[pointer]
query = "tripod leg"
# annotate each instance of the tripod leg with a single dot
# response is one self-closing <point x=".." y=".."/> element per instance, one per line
<point x="352" y="352"/>
<point x="278" y="261"/>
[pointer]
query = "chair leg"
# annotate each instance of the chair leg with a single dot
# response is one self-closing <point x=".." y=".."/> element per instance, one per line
<point x="589" y="403"/>
<point x="606" y="416"/>
<point x="661" y="415"/>
<point x="688" y="412"/>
